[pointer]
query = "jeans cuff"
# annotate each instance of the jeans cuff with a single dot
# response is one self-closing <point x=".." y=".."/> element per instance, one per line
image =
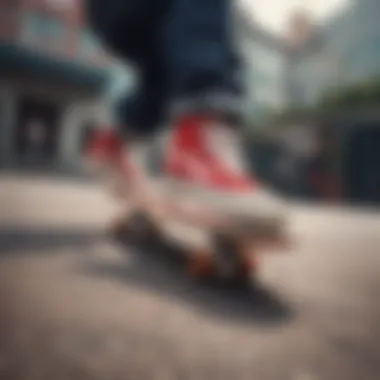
<point x="226" y="105"/>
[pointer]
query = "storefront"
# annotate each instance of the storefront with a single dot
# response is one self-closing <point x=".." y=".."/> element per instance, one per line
<point x="45" y="104"/>
<point x="346" y="166"/>
<point x="361" y="160"/>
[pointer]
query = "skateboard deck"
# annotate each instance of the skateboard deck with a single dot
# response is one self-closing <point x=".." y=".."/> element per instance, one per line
<point x="215" y="241"/>
<point x="218" y="237"/>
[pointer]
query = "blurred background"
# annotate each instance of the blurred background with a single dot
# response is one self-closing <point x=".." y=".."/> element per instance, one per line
<point x="313" y="75"/>
<point x="76" y="305"/>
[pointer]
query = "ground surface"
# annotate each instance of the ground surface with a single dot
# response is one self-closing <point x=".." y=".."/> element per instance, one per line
<point x="74" y="306"/>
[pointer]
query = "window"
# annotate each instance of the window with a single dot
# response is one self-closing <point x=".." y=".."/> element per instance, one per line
<point x="30" y="28"/>
<point x="40" y="29"/>
<point x="89" y="46"/>
<point x="53" y="29"/>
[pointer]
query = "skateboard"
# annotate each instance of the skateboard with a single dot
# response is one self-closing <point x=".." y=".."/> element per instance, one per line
<point x="212" y="243"/>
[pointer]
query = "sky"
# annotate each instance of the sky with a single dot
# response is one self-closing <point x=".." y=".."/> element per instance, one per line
<point x="273" y="14"/>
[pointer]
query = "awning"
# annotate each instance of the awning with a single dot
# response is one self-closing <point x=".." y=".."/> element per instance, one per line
<point x="18" y="59"/>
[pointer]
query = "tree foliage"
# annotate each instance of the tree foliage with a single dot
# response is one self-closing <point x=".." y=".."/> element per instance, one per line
<point x="355" y="97"/>
<point x="364" y="94"/>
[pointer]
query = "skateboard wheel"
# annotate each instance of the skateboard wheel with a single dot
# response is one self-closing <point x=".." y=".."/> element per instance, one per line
<point x="119" y="229"/>
<point x="229" y="260"/>
<point x="135" y="226"/>
<point x="142" y="226"/>
<point x="200" y="265"/>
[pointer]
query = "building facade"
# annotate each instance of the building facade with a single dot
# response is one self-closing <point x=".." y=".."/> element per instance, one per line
<point x="52" y="76"/>
<point x="265" y="59"/>
<point x="343" y="51"/>
<point x="353" y="43"/>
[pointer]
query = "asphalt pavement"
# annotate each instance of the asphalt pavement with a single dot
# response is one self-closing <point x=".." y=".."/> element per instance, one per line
<point x="74" y="305"/>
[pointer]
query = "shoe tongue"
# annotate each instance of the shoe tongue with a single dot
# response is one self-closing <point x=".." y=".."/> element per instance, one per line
<point x="224" y="144"/>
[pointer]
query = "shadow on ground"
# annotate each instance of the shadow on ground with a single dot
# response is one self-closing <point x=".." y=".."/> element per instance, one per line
<point x="19" y="241"/>
<point x="153" y="268"/>
<point x="157" y="269"/>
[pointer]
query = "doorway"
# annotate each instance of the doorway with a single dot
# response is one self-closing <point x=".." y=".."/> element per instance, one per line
<point x="362" y="169"/>
<point x="36" y="138"/>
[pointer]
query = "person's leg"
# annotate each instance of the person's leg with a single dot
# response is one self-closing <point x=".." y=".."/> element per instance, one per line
<point x="203" y="66"/>
<point x="206" y="104"/>
<point x="128" y="28"/>
<point x="139" y="117"/>
<point x="143" y="112"/>
<point x="202" y="61"/>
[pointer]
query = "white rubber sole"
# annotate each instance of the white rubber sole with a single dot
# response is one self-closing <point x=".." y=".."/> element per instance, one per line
<point x="163" y="199"/>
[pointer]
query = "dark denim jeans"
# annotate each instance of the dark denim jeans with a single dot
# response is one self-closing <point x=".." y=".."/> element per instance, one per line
<point x="185" y="52"/>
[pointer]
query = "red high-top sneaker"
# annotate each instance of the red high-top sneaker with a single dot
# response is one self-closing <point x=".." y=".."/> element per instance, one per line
<point x="206" y="152"/>
<point x="205" y="158"/>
